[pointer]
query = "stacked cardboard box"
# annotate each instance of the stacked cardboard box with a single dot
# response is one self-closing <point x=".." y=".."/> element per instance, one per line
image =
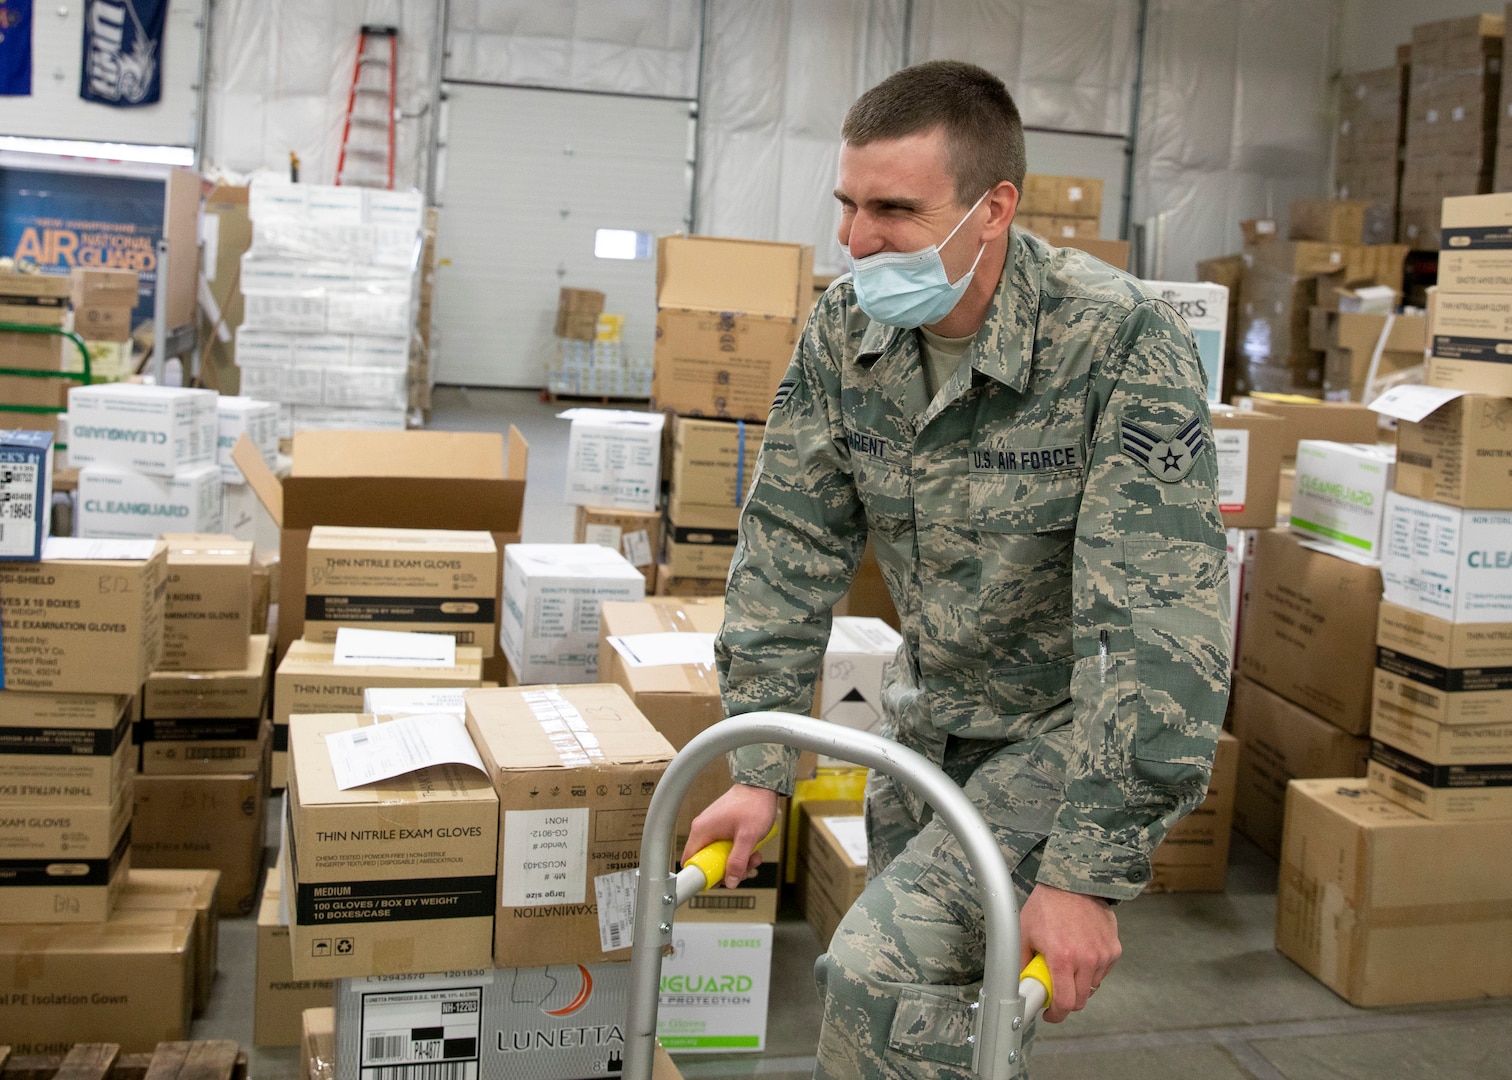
<point x="329" y="288"/>
<point x="1368" y="144"/>
<point x="577" y="314"/>
<point x="147" y="458"/>
<point x="34" y="300"/>
<point x="241" y="515"/>
<point x="832" y="862"/>
<point x="1454" y="100"/>
<point x="102" y="302"/>
<point x="1470" y="312"/>
<point x="1443" y="744"/>
<point x="713" y="463"/>
<point x="279" y="998"/>
<point x="1060" y="208"/>
<point x="635" y="534"/>
<point x="1193" y="857"/>
<point x="553" y="594"/>
<point x="1341" y="221"/>
<point x="422" y="372"/>
<point x="1348" y="341"/>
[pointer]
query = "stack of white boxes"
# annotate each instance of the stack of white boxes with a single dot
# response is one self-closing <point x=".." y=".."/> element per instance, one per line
<point x="330" y="284"/>
<point x="146" y="458"/>
<point x="245" y="517"/>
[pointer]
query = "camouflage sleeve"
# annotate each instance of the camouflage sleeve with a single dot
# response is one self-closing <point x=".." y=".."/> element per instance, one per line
<point x="801" y="535"/>
<point x="1150" y="612"/>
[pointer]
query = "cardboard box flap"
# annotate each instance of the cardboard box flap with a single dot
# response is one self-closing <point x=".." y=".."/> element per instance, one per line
<point x="149" y="887"/>
<point x="430" y="455"/>
<point x="259" y="477"/>
<point x="713" y="274"/>
<point x="315" y="779"/>
<point x="208" y="549"/>
<point x="38" y="941"/>
<point x="578" y="726"/>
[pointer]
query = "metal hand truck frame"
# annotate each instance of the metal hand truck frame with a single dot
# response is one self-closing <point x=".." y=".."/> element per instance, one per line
<point x="1005" y="1002"/>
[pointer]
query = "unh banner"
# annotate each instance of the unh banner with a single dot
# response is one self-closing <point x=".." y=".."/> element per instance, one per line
<point x="15" y="47"/>
<point x="123" y="48"/>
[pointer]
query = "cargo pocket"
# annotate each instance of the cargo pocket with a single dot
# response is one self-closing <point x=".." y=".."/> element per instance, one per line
<point x="931" y="1027"/>
<point x="1180" y="638"/>
<point x="1025" y="527"/>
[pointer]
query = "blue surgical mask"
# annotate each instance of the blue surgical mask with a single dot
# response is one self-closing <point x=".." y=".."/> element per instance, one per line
<point x="910" y="288"/>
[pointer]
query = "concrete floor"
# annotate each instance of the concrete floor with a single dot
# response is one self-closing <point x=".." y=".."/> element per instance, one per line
<point x="1200" y="994"/>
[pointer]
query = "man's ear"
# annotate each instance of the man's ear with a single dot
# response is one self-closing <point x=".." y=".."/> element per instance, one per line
<point x="1002" y="205"/>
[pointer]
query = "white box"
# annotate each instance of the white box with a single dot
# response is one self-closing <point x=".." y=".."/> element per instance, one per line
<point x="132" y="505"/>
<point x="300" y="312"/>
<point x="321" y="418"/>
<point x="327" y="204"/>
<point x="380" y="352"/>
<point x="1444" y="561"/>
<point x="1204" y="306"/>
<point x="322" y="350"/>
<point x="405" y="209"/>
<point x="238" y="416"/>
<point x="858" y="653"/>
<point x="366" y="388"/>
<point x="263" y="347"/>
<point x="368" y="311"/>
<point x="268" y="381"/>
<point x="263" y="274"/>
<point x="272" y="197"/>
<point x="613" y="458"/>
<point x="26" y="484"/>
<point x="156" y="430"/>
<point x="1339" y="497"/>
<point x="715" y="988"/>
<point x="552" y="592"/>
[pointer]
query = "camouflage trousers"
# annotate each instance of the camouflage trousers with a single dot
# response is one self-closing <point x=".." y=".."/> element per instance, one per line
<point x="906" y="962"/>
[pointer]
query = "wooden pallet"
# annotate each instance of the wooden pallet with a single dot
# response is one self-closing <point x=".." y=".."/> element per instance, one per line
<point x="211" y="1059"/>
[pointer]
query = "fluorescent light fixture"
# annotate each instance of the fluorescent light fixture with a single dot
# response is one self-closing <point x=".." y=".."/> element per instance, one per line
<point x="621" y="244"/>
<point x="101" y="151"/>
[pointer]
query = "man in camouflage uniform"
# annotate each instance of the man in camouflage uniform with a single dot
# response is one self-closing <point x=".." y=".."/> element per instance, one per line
<point x="1044" y="512"/>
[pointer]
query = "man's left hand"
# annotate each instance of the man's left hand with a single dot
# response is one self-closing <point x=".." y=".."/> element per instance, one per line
<point x="1079" y="938"/>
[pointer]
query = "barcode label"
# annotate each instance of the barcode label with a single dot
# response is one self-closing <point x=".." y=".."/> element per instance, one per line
<point x="422" y="1034"/>
<point x="445" y="1070"/>
<point x="1418" y="697"/>
<point x="383" y="1047"/>
<point x="616" y="908"/>
<point x="221" y="753"/>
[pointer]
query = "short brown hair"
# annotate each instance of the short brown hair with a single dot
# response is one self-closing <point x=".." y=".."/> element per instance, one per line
<point x="984" y="134"/>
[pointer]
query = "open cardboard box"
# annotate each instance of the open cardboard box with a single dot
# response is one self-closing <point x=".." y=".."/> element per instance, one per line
<point x="386" y="479"/>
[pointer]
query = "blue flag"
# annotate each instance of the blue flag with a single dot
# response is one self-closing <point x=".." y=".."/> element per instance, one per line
<point x="123" y="48"/>
<point x="15" y="47"/>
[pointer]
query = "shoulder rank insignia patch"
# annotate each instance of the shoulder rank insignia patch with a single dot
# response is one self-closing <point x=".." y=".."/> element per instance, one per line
<point x="784" y="391"/>
<point x="1168" y="459"/>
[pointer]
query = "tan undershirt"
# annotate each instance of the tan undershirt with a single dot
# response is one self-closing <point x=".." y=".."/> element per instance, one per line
<point x="942" y="355"/>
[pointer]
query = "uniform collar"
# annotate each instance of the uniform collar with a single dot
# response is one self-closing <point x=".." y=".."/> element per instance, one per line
<point x="1004" y="346"/>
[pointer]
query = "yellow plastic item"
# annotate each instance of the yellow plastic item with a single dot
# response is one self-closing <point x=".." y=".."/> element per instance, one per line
<point x="711" y="860"/>
<point x="829" y="784"/>
<point x="1039" y="971"/>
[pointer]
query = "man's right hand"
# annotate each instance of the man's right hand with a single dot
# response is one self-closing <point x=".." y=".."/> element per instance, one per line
<point x="743" y="815"/>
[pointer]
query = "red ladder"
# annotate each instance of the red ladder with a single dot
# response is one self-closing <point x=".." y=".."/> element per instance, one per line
<point x="374" y="81"/>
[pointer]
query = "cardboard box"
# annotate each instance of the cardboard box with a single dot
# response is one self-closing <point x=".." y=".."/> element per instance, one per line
<point x="386" y="479"/>
<point x="1442" y="689"/>
<point x="1057" y="229"/>
<point x="430" y="581"/>
<point x="1448" y="562"/>
<point x="1280" y="742"/>
<point x="87" y="619"/>
<point x="1193" y="857"/>
<point x="1205" y="307"/>
<point x="1340" y="494"/>
<point x="150" y="892"/>
<point x="236" y="693"/>
<point x="1064" y="196"/>
<point x="577" y="313"/>
<point x="713" y="464"/>
<point x="715" y="988"/>
<point x="1476" y="253"/>
<point x="279" y="999"/>
<point x="1441" y="792"/>
<point x="832" y="866"/>
<point x="669" y="584"/>
<point x="198" y="747"/>
<point x="207" y="616"/>
<point x="154" y="430"/>
<point x="26" y="484"/>
<point x="63" y="749"/>
<point x="1309" y="630"/>
<point x="389" y="701"/>
<point x="63" y="863"/>
<point x="123" y="982"/>
<point x="1407" y="715"/>
<point x="579" y="762"/>
<point x="393" y="877"/>
<point x="102" y="287"/>
<point x="1249" y="445"/>
<point x="1460" y="454"/>
<point x="1113" y="252"/>
<point x="310" y="681"/>
<point x="1258" y="230"/>
<point x="317" y="1040"/>
<point x="613" y="458"/>
<point x="552" y="594"/>
<point x="130" y="505"/>
<point x="1306" y="418"/>
<point x="1470" y="336"/>
<point x="1342" y="221"/>
<point x="635" y="534"/>
<point x="1350" y="916"/>
<point x="1349" y="340"/>
<point x="728" y="317"/>
<point x="238" y="416"/>
<point x="205" y="822"/>
<point x="695" y="552"/>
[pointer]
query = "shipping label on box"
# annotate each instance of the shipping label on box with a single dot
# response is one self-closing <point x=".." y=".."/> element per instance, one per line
<point x="236" y="693"/>
<point x="419" y="580"/>
<point x="1455" y="564"/>
<point x="87" y="619"/>
<point x="1249" y="448"/>
<point x="1441" y="792"/>
<point x="126" y="505"/>
<point x="613" y="458"/>
<point x="63" y="749"/>
<point x="1340" y="494"/>
<point x="1204" y="306"/>
<point x="207" y="616"/>
<point x="574" y="767"/>
<point x="156" y="430"/>
<point x="26" y="480"/>
<point x="715" y="988"/>
<point x="552" y="592"/>
<point x="635" y="534"/>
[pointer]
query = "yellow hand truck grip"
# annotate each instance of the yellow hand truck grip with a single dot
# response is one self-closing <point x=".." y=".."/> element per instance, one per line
<point x="1037" y="971"/>
<point x="711" y="859"/>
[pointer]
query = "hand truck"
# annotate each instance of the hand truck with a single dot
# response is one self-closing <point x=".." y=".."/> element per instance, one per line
<point x="82" y="377"/>
<point x="1002" y="1008"/>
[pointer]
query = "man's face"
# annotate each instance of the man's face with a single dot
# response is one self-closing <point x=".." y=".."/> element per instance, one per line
<point x="898" y="195"/>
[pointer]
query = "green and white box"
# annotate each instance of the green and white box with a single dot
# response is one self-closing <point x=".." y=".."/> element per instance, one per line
<point x="156" y="430"/>
<point x="1204" y="306"/>
<point x="715" y="988"/>
<point x="128" y="505"/>
<point x="1340" y="494"/>
<point x="1444" y="561"/>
